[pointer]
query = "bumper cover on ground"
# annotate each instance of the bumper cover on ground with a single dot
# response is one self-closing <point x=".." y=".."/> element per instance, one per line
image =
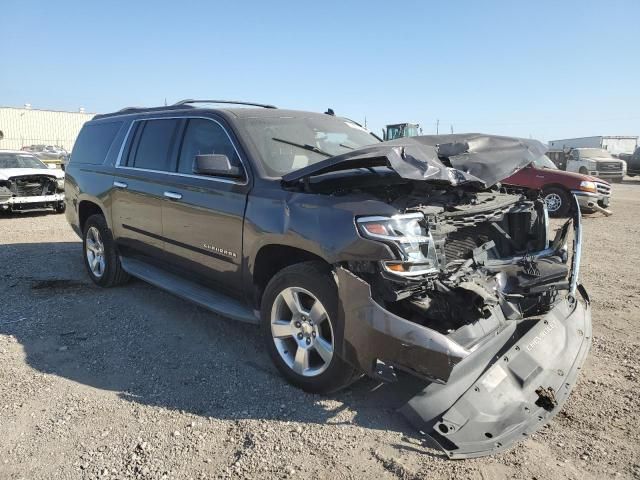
<point x="509" y="390"/>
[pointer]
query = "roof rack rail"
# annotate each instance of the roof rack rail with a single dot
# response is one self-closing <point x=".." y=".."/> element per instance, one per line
<point x="232" y="102"/>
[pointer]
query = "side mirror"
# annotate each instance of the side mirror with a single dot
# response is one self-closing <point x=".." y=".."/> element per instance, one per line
<point x="215" y="165"/>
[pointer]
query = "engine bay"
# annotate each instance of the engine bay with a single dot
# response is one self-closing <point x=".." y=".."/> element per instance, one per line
<point x="485" y="258"/>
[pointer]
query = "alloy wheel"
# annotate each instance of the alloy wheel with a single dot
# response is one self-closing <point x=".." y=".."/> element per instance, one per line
<point x="553" y="201"/>
<point x="302" y="332"/>
<point x="95" y="252"/>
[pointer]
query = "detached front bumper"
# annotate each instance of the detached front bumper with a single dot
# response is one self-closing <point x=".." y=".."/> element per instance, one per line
<point x="504" y="393"/>
<point x="480" y="400"/>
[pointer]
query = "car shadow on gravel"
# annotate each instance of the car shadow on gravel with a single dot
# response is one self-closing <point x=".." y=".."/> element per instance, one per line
<point x="157" y="350"/>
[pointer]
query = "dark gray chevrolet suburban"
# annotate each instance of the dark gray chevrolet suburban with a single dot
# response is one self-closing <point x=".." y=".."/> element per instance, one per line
<point x="400" y="260"/>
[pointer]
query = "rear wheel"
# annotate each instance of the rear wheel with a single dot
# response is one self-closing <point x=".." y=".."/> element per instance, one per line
<point x="299" y="318"/>
<point x="558" y="201"/>
<point x="100" y="256"/>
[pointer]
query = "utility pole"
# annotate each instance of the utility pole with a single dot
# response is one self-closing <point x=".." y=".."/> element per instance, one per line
<point x="452" y="129"/>
<point x="437" y="126"/>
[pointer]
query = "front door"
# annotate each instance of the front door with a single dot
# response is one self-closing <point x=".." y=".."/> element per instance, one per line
<point x="202" y="216"/>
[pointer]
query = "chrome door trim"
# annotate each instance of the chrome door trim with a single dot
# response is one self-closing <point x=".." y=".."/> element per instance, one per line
<point x="177" y="174"/>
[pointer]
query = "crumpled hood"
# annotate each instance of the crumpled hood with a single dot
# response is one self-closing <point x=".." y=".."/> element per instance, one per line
<point x="471" y="158"/>
<point x="7" y="173"/>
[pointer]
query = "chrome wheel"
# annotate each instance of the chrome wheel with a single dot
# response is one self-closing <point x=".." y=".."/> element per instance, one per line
<point x="95" y="252"/>
<point x="302" y="332"/>
<point x="553" y="201"/>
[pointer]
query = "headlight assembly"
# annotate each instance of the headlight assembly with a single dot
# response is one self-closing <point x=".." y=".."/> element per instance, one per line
<point x="60" y="183"/>
<point x="587" y="186"/>
<point x="408" y="235"/>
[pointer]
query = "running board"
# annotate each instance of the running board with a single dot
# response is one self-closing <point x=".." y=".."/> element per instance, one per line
<point x="216" y="302"/>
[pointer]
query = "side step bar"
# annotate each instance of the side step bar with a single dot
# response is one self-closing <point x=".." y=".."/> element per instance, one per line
<point x="216" y="302"/>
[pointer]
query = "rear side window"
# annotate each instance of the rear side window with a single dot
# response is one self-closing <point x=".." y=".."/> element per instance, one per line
<point x="94" y="142"/>
<point x="204" y="137"/>
<point x="151" y="149"/>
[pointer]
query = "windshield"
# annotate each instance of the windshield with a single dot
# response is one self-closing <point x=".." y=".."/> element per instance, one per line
<point x="287" y="144"/>
<point x="594" y="153"/>
<point x="18" y="160"/>
<point x="544" y="162"/>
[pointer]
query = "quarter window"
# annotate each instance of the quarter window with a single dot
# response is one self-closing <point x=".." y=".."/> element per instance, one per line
<point x="204" y="137"/>
<point x="94" y="142"/>
<point x="153" y="149"/>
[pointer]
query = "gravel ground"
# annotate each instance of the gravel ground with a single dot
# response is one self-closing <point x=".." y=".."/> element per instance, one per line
<point x="132" y="382"/>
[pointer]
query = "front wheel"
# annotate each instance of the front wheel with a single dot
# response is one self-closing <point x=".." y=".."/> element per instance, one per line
<point x="299" y="315"/>
<point x="59" y="207"/>
<point x="558" y="201"/>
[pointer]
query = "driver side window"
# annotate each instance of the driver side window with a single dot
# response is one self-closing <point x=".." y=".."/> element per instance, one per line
<point x="204" y="137"/>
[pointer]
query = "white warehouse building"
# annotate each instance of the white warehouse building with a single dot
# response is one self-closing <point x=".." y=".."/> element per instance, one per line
<point x="21" y="127"/>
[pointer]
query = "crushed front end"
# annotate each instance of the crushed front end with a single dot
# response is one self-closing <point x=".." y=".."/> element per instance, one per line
<point x="480" y="303"/>
<point x="31" y="192"/>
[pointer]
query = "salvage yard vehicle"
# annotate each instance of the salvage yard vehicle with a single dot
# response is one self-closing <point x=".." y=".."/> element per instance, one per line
<point x="28" y="184"/>
<point x="399" y="260"/>
<point x="633" y="162"/>
<point x="49" y="154"/>
<point x="558" y="187"/>
<point x="400" y="130"/>
<point x="595" y="162"/>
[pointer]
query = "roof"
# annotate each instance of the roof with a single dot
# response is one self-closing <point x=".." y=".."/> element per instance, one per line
<point x="237" y="112"/>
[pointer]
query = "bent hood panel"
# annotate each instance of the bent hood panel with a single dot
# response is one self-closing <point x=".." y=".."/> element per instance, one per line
<point x="485" y="407"/>
<point x="471" y="158"/>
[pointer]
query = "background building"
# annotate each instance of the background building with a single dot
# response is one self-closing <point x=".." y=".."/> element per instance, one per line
<point x="26" y="126"/>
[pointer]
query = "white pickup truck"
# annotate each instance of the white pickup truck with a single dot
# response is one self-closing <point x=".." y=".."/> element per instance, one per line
<point x="596" y="162"/>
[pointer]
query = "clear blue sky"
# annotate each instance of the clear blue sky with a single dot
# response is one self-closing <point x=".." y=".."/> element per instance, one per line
<point x="547" y="69"/>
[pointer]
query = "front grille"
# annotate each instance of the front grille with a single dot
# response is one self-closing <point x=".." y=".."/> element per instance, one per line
<point x="609" y="166"/>
<point x="603" y="188"/>
<point x="32" y="186"/>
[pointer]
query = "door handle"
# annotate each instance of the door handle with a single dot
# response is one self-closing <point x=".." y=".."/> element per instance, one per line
<point x="173" y="195"/>
<point x="539" y="176"/>
<point x="120" y="184"/>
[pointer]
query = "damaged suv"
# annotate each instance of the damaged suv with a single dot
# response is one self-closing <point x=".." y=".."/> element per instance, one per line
<point x="398" y="260"/>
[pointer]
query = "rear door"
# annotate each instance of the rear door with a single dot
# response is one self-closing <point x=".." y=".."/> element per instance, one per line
<point x="143" y="169"/>
<point x="202" y="216"/>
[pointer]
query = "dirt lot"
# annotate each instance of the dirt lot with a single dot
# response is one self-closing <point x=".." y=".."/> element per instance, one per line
<point x="134" y="383"/>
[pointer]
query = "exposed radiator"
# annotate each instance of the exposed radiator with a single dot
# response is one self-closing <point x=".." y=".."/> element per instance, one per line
<point x="33" y="186"/>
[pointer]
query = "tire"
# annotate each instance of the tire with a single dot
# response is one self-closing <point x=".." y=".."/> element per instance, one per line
<point x="617" y="180"/>
<point x="60" y="207"/>
<point x="298" y="336"/>
<point x="583" y="171"/>
<point x="558" y="201"/>
<point x="109" y="272"/>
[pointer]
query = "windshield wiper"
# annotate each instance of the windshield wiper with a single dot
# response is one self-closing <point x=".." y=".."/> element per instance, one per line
<point x="304" y="146"/>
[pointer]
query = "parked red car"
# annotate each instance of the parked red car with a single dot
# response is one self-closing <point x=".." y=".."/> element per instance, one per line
<point x="558" y="185"/>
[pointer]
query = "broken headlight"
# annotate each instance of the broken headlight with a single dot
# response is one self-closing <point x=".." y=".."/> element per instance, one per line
<point x="408" y="235"/>
<point x="60" y="183"/>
